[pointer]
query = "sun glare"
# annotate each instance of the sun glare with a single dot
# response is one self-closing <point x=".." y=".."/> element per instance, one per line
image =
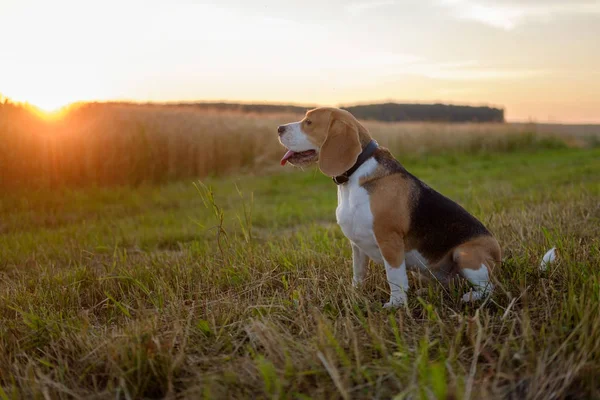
<point x="45" y="106"/>
<point x="53" y="88"/>
<point x="49" y="106"/>
<point x="48" y="100"/>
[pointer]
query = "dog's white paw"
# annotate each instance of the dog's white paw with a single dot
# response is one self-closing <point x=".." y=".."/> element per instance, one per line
<point x="357" y="284"/>
<point x="473" y="296"/>
<point x="395" y="302"/>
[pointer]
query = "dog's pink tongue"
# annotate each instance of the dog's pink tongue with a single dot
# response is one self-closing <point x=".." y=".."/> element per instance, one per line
<point x="286" y="156"/>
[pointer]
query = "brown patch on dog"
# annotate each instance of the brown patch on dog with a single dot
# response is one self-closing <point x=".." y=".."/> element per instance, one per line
<point x="481" y="250"/>
<point x="390" y="198"/>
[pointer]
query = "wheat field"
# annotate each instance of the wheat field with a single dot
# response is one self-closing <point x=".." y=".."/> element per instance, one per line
<point x="104" y="144"/>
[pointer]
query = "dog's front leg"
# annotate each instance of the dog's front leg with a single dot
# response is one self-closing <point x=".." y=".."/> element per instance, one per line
<point x="359" y="266"/>
<point x="392" y="249"/>
<point x="398" y="281"/>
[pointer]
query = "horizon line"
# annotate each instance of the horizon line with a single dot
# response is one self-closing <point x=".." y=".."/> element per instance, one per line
<point x="293" y="104"/>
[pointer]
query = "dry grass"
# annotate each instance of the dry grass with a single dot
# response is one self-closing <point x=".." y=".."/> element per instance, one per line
<point x="146" y="293"/>
<point x="102" y="144"/>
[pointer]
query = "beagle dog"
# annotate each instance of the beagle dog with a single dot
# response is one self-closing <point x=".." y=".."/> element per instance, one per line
<point x="388" y="214"/>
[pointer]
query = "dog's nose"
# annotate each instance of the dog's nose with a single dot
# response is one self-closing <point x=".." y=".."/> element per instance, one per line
<point x="281" y="129"/>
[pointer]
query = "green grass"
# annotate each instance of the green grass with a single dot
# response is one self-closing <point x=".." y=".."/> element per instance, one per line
<point x="159" y="292"/>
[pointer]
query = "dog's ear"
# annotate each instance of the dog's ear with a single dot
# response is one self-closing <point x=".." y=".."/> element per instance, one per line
<point x="341" y="147"/>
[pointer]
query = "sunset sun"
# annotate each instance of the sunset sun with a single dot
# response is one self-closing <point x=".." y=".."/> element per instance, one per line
<point x="49" y="104"/>
<point x="47" y="96"/>
<point x="54" y="87"/>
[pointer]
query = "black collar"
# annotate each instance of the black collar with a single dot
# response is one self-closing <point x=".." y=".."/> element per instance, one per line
<point x="362" y="157"/>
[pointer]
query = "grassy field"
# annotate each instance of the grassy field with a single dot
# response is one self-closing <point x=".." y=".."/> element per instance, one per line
<point x="243" y="290"/>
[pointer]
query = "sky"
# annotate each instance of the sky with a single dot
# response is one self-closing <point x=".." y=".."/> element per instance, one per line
<point x="538" y="59"/>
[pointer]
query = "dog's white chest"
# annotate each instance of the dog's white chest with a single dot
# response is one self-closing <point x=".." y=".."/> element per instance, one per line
<point x="354" y="213"/>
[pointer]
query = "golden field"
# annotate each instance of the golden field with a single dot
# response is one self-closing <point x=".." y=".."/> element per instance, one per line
<point x="100" y="144"/>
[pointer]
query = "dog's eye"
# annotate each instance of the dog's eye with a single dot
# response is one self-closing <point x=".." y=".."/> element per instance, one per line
<point x="308" y="122"/>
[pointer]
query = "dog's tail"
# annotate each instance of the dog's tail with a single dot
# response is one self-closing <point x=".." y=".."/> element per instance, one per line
<point x="549" y="258"/>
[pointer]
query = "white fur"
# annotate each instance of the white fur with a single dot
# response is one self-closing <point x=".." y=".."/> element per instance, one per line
<point x="354" y="214"/>
<point x="294" y="138"/>
<point x="398" y="281"/>
<point x="548" y="259"/>
<point x="480" y="279"/>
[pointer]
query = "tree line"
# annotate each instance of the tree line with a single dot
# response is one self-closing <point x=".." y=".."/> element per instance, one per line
<point x="387" y="112"/>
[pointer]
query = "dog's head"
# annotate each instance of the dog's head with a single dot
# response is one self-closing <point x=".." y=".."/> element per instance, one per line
<point x="329" y="136"/>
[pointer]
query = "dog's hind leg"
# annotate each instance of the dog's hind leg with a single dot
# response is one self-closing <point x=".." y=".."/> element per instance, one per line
<point x="475" y="260"/>
<point x="480" y="279"/>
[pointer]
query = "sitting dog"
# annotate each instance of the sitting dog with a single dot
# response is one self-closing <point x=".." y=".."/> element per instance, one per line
<point x="388" y="214"/>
